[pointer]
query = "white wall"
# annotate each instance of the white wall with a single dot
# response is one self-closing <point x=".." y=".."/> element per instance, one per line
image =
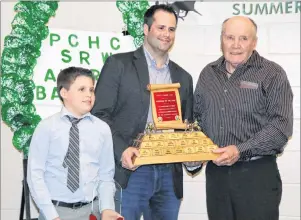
<point x="196" y="45"/>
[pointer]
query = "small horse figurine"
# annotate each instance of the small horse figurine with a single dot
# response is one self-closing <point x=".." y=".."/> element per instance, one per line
<point x="150" y="128"/>
<point x="194" y="126"/>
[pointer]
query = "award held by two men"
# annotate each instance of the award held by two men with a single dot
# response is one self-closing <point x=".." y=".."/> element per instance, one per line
<point x="160" y="143"/>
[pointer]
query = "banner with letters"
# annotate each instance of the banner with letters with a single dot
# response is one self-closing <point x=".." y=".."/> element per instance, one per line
<point x="214" y="13"/>
<point x="64" y="48"/>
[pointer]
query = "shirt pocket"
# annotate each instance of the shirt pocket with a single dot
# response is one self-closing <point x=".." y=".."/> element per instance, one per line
<point x="90" y="156"/>
<point x="248" y="100"/>
<point x="59" y="143"/>
<point x="91" y="148"/>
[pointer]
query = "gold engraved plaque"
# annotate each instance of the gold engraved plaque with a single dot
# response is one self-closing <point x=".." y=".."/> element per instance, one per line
<point x="161" y="137"/>
<point x="157" y="152"/>
<point x="174" y="136"/>
<point x="168" y="151"/>
<point x="175" y="147"/>
<point x="146" y="152"/>
<point x="170" y="143"/>
<point x="186" y="135"/>
<point x="182" y="143"/>
<point x="159" y="144"/>
<point x="193" y="142"/>
<point x="179" y="150"/>
<point x="147" y="144"/>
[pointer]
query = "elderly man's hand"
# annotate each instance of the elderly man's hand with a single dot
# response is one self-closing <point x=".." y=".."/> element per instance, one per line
<point x="228" y="155"/>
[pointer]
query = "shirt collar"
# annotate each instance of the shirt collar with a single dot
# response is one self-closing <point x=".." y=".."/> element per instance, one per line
<point x="65" y="112"/>
<point x="151" y="60"/>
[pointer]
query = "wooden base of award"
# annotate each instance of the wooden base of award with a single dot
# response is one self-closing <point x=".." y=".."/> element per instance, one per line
<point x="160" y="145"/>
<point x="174" y="147"/>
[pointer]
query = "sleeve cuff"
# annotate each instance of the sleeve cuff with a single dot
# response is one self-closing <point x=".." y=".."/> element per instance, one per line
<point x="244" y="150"/>
<point x="49" y="212"/>
<point x="106" y="203"/>
<point x="106" y="196"/>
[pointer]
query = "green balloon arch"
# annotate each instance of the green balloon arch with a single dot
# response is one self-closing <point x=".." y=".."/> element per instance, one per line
<point x="21" y="52"/>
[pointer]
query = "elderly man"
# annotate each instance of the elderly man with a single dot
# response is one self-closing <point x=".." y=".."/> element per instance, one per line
<point x="243" y="102"/>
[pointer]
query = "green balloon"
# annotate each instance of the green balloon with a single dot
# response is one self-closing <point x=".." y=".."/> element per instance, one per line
<point x="19" y="57"/>
<point x="25" y="72"/>
<point x="122" y="6"/>
<point x="22" y="19"/>
<point x="25" y="90"/>
<point x="9" y="80"/>
<point x="22" y="137"/>
<point x="133" y="17"/>
<point x="9" y="111"/>
<point x="8" y="68"/>
<point x="23" y="6"/>
<point x="9" y="96"/>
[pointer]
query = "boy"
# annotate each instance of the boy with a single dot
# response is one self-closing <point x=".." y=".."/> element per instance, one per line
<point x="70" y="159"/>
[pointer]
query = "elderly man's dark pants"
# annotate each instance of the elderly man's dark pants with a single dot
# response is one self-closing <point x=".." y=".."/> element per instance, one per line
<point x="248" y="190"/>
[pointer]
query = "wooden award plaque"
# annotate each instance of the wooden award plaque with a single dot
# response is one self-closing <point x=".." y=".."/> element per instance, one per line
<point x="160" y="145"/>
<point x="166" y="106"/>
<point x="172" y="147"/>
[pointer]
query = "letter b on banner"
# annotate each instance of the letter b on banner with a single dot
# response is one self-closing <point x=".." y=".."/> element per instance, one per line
<point x="40" y="93"/>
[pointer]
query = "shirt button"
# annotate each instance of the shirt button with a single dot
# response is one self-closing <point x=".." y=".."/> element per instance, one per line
<point x="221" y="127"/>
<point x="222" y="109"/>
<point x="225" y="90"/>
